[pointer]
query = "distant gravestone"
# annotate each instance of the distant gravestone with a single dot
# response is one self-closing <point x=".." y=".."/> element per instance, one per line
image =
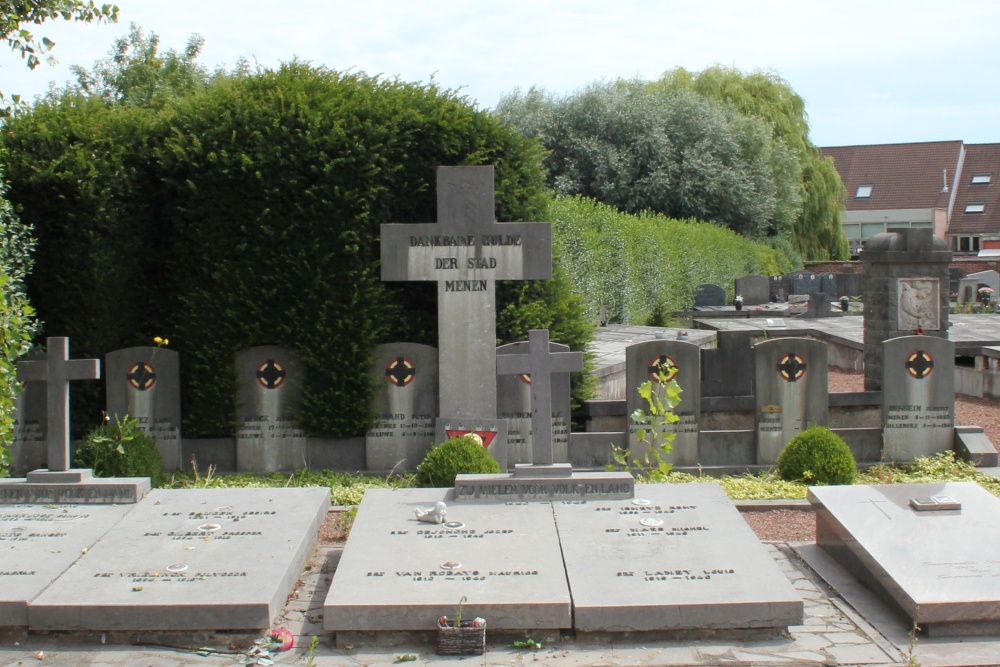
<point x="709" y="294"/>
<point x="642" y="362"/>
<point x="465" y="253"/>
<point x="989" y="279"/>
<point x="918" y="397"/>
<point x="779" y="288"/>
<point x="514" y="406"/>
<point x="406" y="375"/>
<point x="967" y="290"/>
<point x="828" y="285"/>
<point x="144" y="383"/>
<point x="819" y="306"/>
<point x="791" y="392"/>
<point x="268" y="437"/>
<point x="955" y="276"/>
<point x="802" y="282"/>
<point x="728" y="370"/>
<point x="28" y="448"/>
<point x="848" y="284"/>
<point x="754" y="289"/>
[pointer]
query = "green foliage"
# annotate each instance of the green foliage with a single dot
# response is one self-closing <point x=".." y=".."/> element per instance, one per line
<point x="765" y="95"/>
<point x="638" y="266"/>
<point x="661" y="397"/>
<point x="119" y="448"/>
<point x="461" y="455"/>
<point x="17" y="322"/>
<point x="642" y="148"/>
<point x="817" y="455"/>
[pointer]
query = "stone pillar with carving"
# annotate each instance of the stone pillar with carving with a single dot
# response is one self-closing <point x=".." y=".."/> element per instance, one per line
<point x="905" y="292"/>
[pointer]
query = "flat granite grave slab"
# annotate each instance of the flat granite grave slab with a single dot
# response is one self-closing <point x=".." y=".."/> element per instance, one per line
<point x="38" y="543"/>
<point x="677" y="557"/>
<point x="189" y="559"/>
<point x="939" y="567"/>
<point x="401" y="574"/>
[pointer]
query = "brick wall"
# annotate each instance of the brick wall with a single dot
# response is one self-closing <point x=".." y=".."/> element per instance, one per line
<point x="968" y="265"/>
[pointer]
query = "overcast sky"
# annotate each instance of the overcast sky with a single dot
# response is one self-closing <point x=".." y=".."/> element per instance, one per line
<point x="870" y="71"/>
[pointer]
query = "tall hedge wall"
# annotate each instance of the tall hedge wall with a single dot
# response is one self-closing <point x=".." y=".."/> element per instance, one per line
<point x="248" y="214"/>
<point x="642" y="268"/>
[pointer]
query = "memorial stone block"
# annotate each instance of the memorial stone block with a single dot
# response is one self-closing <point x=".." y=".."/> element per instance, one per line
<point x="144" y="383"/>
<point x="848" y="284"/>
<point x="189" y="559"/>
<point x="28" y="449"/>
<point x="989" y="279"/>
<point x="728" y="369"/>
<point x="967" y="290"/>
<point x="938" y="567"/>
<point x="398" y="573"/>
<point x="918" y="397"/>
<point x="709" y="294"/>
<point x="267" y="396"/>
<point x="828" y="285"/>
<point x="779" y="287"/>
<point x="802" y="282"/>
<point x="514" y="406"/>
<point x="406" y="375"/>
<point x="678" y="557"/>
<point x="754" y="289"/>
<point x="791" y="392"/>
<point x="642" y="362"/>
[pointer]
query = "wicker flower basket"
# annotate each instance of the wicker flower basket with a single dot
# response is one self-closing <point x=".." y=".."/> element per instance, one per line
<point x="467" y="639"/>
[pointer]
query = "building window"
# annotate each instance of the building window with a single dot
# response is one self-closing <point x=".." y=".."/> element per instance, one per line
<point x="981" y="179"/>
<point x="967" y="244"/>
<point x="863" y="192"/>
<point x="975" y="207"/>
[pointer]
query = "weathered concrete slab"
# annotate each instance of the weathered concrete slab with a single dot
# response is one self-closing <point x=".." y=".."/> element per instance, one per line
<point x="939" y="567"/>
<point x="38" y="543"/>
<point x="206" y="559"/>
<point x="676" y="557"/>
<point x="400" y="574"/>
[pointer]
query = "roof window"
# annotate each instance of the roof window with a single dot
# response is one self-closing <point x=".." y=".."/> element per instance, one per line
<point x="975" y="207"/>
<point x="863" y="192"/>
<point x="981" y="179"/>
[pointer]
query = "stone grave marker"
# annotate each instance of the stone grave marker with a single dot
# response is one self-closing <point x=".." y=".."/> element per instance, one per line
<point x="465" y="253"/>
<point x="268" y="436"/>
<point x="250" y="546"/>
<point x="400" y="574"/>
<point x="754" y="289"/>
<point x="967" y="290"/>
<point x="59" y="483"/>
<point x="791" y="392"/>
<point x="709" y="294"/>
<point x="28" y="448"/>
<point x="680" y="557"/>
<point x="819" y="306"/>
<point x="728" y="369"/>
<point x="828" y="285"/>
<point x="779" y="288"/>
<point x="803" y="282"/>
<point x="514" y="406"/>
<point x="144" y="383"/>
<point x="642" y="362"/>
<point x="38" y="543"/>
<point x="988" y="278"/>
<point x="848" y="284"/>
<point x="406" y="375"/>
<point x="938" y="567"/>
<point x="955" y="276"/>
<point x="918" y="397"/>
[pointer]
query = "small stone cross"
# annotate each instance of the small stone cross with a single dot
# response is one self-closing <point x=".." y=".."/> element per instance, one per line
<point x="56" y="371"/>
<point x="540" y="364"/>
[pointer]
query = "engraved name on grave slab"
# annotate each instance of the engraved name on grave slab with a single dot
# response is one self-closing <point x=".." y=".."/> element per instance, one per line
<point x="791" y="392"/>
<point x="514" y="405"/>
<point x="267" y="396"/>
<point x="398" y="573"/>
<point x="675" y="557"/>
<point x="191" y="559"/>
<point x="38" y="543"/>
<point x="642" y="362"/>
<point x="144" y="383"/>
<point x="406" y="375"/>
<point x="918" y="397"/>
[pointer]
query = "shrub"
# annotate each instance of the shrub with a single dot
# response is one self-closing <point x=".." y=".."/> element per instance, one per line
<point x="119" y="448"/>
<point x="461" y="455"/>
<point x="817" y="455"/>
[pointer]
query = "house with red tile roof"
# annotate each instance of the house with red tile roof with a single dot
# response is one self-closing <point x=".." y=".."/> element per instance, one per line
<point x="974" y="223"/>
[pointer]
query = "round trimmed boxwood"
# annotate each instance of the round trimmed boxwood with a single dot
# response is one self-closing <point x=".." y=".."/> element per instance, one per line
<point x="817" y="456"/>
<point x="119" y="448"/>
<point x="460" y="455"/>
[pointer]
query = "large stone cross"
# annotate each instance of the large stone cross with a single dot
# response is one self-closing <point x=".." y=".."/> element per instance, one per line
<point x="540" y="364"/>
<point x="56" y="371"/>
<point x="466" y="252"/>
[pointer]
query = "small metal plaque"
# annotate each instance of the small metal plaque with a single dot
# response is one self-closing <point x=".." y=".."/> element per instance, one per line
<point x="642" y="502"/>
<point x="651" y="521"/>
<point x="935" y="504"/>
<point x="454" y="525"/>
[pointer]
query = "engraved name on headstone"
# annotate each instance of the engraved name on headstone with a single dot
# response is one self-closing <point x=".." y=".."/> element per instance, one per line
<point x="406" y="375"/>
<point x="791" y="392"/>
<point x="918" y="397"/>
<point x="144" y="383"/>
<point x="267" y="397"/>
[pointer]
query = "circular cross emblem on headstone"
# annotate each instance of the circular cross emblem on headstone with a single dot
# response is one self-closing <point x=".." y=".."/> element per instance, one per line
<point x="141" y="376"/>
<point x="662" y="362"/>
<point x="400" y="372"/>
<point x="792" y="367"/>
<point x="919" y="364"/>
<point x="271" y="374"/>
